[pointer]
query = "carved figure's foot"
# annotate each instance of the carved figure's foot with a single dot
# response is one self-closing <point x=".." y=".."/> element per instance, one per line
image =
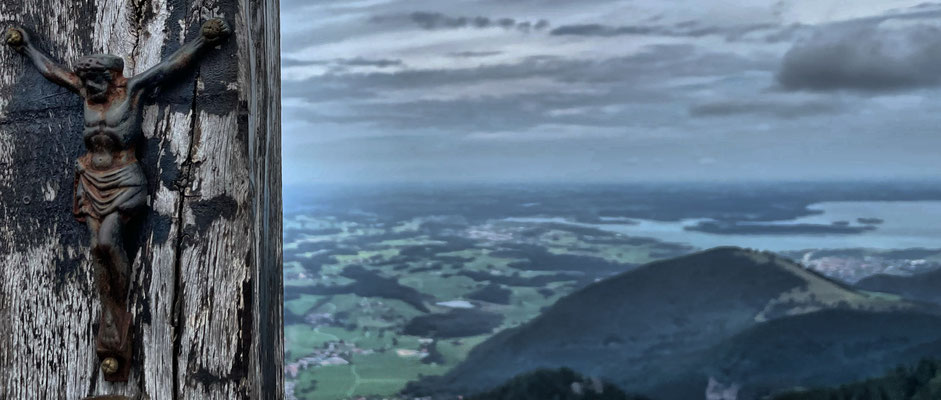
<point x="113" y="343"/>
<point x="108" y="333"/>
<point x="216" y="30"/>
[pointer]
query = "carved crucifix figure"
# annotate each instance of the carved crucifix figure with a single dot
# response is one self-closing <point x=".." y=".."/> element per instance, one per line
<point x="110" y="186"/>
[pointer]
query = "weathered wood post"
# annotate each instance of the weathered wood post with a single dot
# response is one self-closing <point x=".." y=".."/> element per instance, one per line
<point x="205" y="286"/>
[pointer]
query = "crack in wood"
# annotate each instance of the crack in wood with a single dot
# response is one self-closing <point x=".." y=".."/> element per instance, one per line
<point x="179" y="290"/>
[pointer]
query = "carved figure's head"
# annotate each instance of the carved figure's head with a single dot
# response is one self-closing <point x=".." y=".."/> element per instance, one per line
<point x="99" y="73"/>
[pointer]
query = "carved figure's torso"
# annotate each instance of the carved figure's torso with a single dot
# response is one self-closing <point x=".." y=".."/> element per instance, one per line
<point x="108" y="177"/>
<point x="111" y="131"/>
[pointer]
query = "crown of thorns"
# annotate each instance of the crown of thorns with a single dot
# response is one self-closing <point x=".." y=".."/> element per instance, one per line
<point x="100" y="62"/>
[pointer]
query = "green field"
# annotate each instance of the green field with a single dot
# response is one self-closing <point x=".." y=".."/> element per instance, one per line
<point x="351" y="327"/>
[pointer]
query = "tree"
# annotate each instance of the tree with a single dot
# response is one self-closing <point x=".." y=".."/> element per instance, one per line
<point x="205" y="279"/>
<point x="560" y="384"/>
<point x="921" y="382"/>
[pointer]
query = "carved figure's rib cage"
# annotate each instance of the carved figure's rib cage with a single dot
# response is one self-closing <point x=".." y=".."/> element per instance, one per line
<point x="206" y="280"/>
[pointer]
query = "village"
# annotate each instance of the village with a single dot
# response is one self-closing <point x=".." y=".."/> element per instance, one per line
<point x="852" y="269"/>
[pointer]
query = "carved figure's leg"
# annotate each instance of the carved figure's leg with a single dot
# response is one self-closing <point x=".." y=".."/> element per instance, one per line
<point x="111" y="266"/>
<point x="99" y="260"/>
<point x="111" y="246"/>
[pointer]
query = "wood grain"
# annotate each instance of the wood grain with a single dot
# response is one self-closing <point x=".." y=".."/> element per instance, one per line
<point x="207" y="288"/>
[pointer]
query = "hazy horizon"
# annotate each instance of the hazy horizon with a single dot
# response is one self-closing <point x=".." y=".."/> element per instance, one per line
<point x="664" y="182"/>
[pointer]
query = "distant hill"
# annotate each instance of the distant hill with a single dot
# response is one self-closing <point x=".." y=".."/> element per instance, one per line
<point x="923" y="382"/>
<point x="924" y="287"/>
<point x="672" y="328"/>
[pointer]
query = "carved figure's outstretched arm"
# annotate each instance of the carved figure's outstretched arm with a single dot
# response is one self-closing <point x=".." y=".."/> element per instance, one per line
<point x="213" y="31"/>
<point x="19" y="40"/>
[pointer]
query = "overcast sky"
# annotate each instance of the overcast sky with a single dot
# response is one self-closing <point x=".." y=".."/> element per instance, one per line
<point x="610" y="91"/>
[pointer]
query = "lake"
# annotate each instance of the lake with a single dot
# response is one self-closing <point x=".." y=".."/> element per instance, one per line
<point x="906" y="224"/>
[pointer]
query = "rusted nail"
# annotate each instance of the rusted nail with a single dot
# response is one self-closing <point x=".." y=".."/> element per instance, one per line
<point x="14" y="37"/>
<point x="109" y="366"/>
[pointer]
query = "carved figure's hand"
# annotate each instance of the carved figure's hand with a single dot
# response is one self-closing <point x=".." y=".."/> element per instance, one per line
<point x="216" y="30"/>
<point x="16" y="38"/>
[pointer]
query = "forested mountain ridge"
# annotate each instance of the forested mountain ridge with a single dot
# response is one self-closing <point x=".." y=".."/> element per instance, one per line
<point x="668" y="328"/>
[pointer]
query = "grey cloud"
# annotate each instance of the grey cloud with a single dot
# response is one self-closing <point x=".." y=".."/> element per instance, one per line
<point x="511" y="113"/>
<point x="602" y="30"/>
<point x="364" y="62"/>
<point x="866" y="57"/>
<point x="654" y="64"/>
<point x="474" y="54"/>
<point x="926" y="6"/>
<point x="788" y="33"/>
<point x="291" y="62"/>
<point x="779" y="109"/>
<point x="683" y="29"/>
<point x="436" y="20"/>
<point x="631" y="82"/>
<point x="412" y="79"/>
<point x="342" y="62"/>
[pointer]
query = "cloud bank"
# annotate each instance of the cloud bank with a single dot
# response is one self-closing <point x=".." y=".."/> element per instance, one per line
<point x="867" y="57"/>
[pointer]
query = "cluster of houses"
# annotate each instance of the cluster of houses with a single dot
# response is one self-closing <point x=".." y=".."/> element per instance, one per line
<point x="852" y="269"/>
<point x="332" y="353"/>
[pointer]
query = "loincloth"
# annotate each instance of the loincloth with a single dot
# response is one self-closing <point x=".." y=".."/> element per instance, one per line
<point x="100" y="193"/>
